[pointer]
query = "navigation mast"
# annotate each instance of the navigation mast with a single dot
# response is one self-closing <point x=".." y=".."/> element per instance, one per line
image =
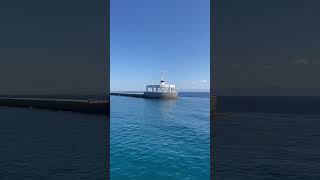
<point x="162" y="78"/>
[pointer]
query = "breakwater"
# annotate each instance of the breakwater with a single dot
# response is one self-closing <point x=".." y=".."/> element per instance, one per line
<point x="163" y="95"/>
<point x="74" y="105"/>
<point x="137" y="95"/>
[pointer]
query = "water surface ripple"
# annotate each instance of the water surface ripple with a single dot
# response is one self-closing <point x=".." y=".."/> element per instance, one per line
<point x="41" y="144"/>
<point x="160" y="139"/>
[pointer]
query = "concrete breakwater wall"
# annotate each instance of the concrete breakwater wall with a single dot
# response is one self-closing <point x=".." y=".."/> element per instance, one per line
<point x="146" y="95"/>
<point x="82" y="106"/>
<point x="138" y="95"/>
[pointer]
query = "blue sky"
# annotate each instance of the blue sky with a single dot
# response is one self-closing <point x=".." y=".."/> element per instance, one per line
<point x="267" y="47"/>
<point x="149" y="36"/>
<point x="53" y="47"/>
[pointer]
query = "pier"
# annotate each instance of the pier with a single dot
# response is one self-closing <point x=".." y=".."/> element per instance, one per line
<point x="74" y="105"/>
<point x="163" y="95"/>
<point x="137" y="95"/>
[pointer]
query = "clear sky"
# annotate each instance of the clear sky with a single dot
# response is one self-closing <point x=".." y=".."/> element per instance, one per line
<point x="267" y="47"/>
<point x="53" y="47"/>
<point x="150" y="36"/>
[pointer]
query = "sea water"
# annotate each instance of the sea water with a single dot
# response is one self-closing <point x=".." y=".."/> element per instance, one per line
<point x="256" y="138"/>
<point x="267" y="138"/>
<point x="160" y="139"/>
<point x="41" y="144"/>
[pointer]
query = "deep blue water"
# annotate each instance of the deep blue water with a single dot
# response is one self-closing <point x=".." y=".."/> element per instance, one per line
<point x="256" y="138"/>
<point x="267" y="138"/>
<point x="160" y="139"/>
<point x="41" y="144"/>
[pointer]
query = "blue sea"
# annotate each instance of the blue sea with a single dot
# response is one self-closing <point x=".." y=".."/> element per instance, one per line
<point x="160" y="139"/>
<point x="40" y="145"/>
<point x="255" y="138"/>
<point x="274" y="138"/>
